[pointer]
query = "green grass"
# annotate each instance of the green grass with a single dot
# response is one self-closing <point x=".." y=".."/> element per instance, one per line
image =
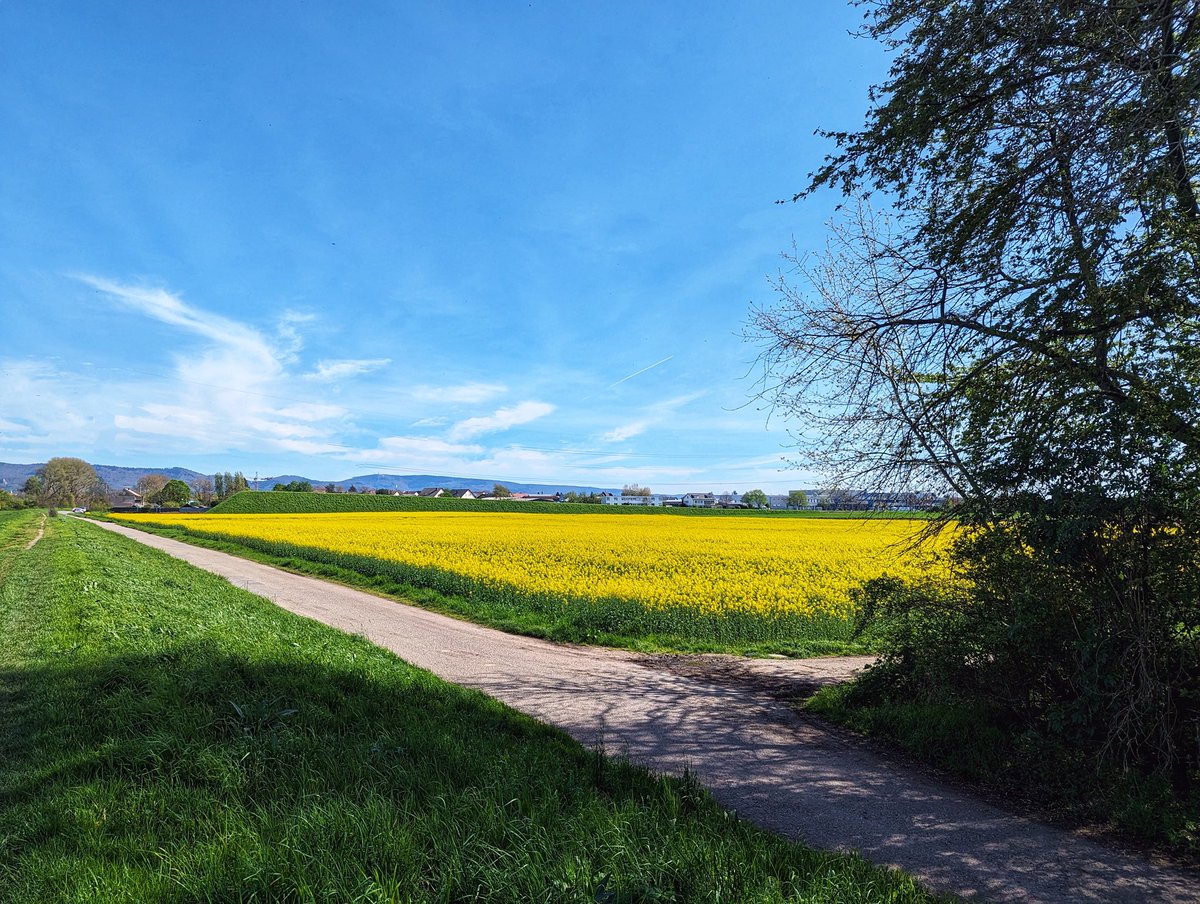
<point x="614" y="622"/>
<point x="250" y="502"/>
<point x="165" y="736"/>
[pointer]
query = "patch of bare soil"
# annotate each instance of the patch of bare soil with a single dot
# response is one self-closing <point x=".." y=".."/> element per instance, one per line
<point x="40" y="533"/>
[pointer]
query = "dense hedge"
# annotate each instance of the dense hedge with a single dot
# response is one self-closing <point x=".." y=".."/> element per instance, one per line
<point x="249" y="502"/>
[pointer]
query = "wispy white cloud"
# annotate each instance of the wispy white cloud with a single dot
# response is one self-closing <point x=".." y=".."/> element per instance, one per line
<point x="291" y="340"/>
<point x="171" y="309"/>
<point x="230" y="387"/>
<point x="12" y="427"/>
<point x="414" y="453"/>
<point x="426" y="445"/>
<point x="351" y="367"/>
<point x="311" y="411"/>
<point x="502" y="419"/>
<point x="624" y="432"/>
<point x="463" y="394"/>
<point x="654" y="415"/>
<point x="47" y="409"/>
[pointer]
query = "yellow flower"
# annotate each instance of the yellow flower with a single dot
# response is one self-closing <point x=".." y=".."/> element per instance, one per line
<point x="767" y="566"/>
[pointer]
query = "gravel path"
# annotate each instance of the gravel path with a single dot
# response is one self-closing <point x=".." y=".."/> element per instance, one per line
<point x="718" y="717"/>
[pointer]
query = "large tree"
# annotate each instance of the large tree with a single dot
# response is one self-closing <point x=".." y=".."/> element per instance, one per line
<point x="1022" y="328"/>
<point x="150" y="485"/>
<point x="175" y="492"/>
<point x="69" y="482"/>
<point x="203" y="490"/>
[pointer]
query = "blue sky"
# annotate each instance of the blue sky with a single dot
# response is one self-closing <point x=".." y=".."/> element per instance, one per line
<point x="510" y="241"/>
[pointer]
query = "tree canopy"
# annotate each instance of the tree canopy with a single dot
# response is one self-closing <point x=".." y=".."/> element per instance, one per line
<point x="150" y="485"/>
<point x="176" y="492"/>
<point x="293" y="486"/>
<point x="756" y="499"/>
<point x="1009" y="310"/>
<point x="226" y="484"/>
<point x="69" y="482"/>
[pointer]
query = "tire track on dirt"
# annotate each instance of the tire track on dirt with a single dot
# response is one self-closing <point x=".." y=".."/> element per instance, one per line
<point x="41" y="531"/>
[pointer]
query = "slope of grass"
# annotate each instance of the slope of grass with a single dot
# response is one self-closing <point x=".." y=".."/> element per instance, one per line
<point x="165" y="736"/>
<point x="249" y="502"/>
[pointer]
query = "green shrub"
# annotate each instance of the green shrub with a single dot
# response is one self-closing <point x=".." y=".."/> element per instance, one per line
<point x="1085" y="690"/>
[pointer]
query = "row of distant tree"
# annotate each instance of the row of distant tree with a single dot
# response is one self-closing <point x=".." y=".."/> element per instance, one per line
<point x="66" y="482"/>
<point x="73" y="482"/>
<point x="159" y="489"/>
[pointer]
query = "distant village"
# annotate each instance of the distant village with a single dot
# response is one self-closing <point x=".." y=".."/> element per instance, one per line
<point x="795" y="500"/>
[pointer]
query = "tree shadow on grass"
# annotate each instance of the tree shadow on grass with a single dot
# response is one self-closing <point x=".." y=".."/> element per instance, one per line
<point x="189" y="773"/>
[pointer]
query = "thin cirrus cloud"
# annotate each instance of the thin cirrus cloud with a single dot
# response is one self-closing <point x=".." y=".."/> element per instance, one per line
<point x="655" y="414"/>
<point x="327" y="371"/>
<point x="170" y="309"/>
<point x="413" y="451"/>
<point x="463" y="394"/>
<point x="502" y="419"/>
<point x="625" y="431"/>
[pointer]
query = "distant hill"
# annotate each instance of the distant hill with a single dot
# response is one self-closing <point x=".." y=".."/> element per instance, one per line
<point x="420" y="481"/>
<point x="13" y="477"/>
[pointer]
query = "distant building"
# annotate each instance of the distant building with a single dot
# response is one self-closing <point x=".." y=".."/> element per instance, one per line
<point x="654" y="499"/>
<point x="126" y="498"/>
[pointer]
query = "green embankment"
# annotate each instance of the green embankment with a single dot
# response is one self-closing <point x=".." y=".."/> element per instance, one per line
<point x="250" y="502"/>
<point x="165" y="736"/>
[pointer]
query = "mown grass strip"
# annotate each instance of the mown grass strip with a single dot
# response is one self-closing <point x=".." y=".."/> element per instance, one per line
<point x="171" y="737"/>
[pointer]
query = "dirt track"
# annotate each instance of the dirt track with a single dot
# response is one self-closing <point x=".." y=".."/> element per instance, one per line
<point x="719" y="717"/>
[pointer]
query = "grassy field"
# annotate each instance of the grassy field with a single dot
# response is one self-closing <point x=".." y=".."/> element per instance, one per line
<point x="165" y="736"/>
<point x="746" y="585"/>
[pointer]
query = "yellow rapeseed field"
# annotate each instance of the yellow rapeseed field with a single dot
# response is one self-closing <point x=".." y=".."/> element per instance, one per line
<point x="761" y="566"/>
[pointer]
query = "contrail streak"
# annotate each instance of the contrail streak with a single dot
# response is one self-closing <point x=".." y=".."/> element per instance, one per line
<point x="642" y="371"/>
